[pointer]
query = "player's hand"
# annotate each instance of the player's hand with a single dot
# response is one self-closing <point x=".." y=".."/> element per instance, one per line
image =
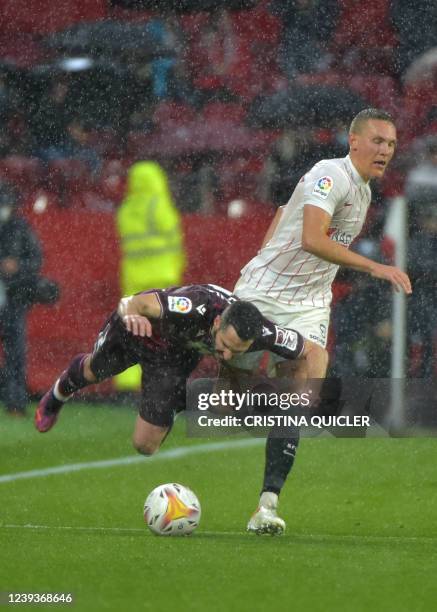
<point x="393" y="275"/>
<point x="138" y="325"/>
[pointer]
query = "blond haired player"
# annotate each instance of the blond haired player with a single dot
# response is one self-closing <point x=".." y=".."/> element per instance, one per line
<point x="290" y="278"/>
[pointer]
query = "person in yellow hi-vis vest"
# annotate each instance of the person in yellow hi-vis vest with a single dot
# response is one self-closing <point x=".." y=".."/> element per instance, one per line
<point x="152" y="252"/>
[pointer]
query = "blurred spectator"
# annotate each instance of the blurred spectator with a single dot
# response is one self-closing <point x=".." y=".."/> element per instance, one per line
<point x="163" y="34"/>
<point x="13" y="133"/>
<point x="195" y="183"/>
<point x="422" y="69"/>
<point x="420" y="95"/>
<point x="163" y="77"/>
<point x="152" y="254"/>
<point x="78" y="144"/>
<point x="285" y="164"/>
<point x="308" y="26"/>
<point x="362" y="312"/>
<point x="20" y="261"/>
<point x="421" y="181"/>
<point x="295" y="152"/>
<point x="362" y="320"/>
<point x="48" y="124"/>
<point x="4" y="117"/>
<point x="60" y="131"/>
<point x="219" y="56"/>
<point x="113" y="182"/>
<point x="416" y="23"/>
<point x="422" y="255"/>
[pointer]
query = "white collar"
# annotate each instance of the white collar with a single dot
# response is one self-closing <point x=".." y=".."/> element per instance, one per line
<point x="356" y="175"/>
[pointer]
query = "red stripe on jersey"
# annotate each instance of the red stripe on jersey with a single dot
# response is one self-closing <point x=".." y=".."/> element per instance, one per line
<point x="266" y="265"/>
<point x="321" y="283"/>
<point x="321" y="261"/>
<point x="286" y="266"/>
<point x="294" y="276"/>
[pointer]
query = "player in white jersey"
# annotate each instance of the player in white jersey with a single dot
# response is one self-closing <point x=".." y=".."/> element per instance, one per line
<point x="290" y="278"/>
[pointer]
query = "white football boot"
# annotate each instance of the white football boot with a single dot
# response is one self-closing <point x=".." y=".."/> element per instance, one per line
<point x="266" y="519"/>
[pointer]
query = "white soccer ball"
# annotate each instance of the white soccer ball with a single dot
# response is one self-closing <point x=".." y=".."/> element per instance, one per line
<point x="172" y="509"/>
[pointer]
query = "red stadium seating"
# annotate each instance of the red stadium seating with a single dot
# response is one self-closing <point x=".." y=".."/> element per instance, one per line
<point x="169" y="115"/>
<point x="45" y="16"/>
<point x="196" y="137"/>
<point x="112" y="180"/>
<point x="224" y="111"/>
<point x="106" y="142"/>
<point x="240" y="178"/>
<point x="191" y="23"/>
<point x="418" y="100"/>
<point x="125" y="14"/>
<point x="382" y="91"/>
<point x="364" y="24"/>
<point x="38" y="202"/>
<point x="69" y="176"/>
<point x="258" y="25"/>
<point x="21" y="49"/>
<point x="26" y="173"/>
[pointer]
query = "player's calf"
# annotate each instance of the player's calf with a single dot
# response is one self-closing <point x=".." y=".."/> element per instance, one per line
<point x="75" y="377"/>
<point x="147" y="438"/>
<point x="145" y="448"/>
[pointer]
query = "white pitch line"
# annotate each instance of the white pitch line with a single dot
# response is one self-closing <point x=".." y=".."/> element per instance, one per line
<point x="126" y="530"/>
<point x="172" y="453"/>
<point x="74" y="528"/>
<point x="314" y="537"/>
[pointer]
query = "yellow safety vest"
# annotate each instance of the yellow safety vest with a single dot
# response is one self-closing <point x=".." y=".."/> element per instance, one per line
<point x="150" y="232"/>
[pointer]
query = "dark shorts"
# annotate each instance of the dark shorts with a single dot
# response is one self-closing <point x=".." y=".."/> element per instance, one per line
<point x="164" y="373"/>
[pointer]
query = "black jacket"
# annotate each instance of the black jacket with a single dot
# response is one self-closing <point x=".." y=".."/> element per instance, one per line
<point x="17" y="240"/>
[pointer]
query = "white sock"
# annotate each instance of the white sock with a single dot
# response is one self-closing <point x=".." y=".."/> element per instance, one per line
<point x="269" y="500"/>
<point x="58" y="394"/>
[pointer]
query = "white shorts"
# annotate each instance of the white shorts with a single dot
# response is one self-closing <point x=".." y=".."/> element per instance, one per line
<point x="310" y="321"/>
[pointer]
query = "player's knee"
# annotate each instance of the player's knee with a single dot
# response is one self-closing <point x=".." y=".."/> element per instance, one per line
<point x="323" y="353"/>
<point x="322" y="356"/>
<point x="145" y="447"/>
<point x="325" y="358"/>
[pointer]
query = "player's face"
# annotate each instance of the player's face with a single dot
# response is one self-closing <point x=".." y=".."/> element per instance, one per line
<point x="372" y="148"/>
<point x="227" y="342"/>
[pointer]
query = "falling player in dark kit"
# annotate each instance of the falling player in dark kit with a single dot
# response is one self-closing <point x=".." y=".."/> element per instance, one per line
<point x="167" y="331"/>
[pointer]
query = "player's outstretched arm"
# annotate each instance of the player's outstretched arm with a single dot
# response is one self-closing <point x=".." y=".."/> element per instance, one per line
<point x="393" y="275"/>
<point x="315" y="240"/>
<point x="136" y="310"/>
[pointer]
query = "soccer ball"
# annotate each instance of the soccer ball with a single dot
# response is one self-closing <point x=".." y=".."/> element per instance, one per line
<point x="172" y="509"/>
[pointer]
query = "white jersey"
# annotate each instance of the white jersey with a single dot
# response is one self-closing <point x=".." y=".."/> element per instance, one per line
<point x="282" y="271"/>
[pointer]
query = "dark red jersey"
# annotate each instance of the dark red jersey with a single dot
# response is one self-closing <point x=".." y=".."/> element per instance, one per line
<point x="179" y="338"/>
<point x="187" y="316"/>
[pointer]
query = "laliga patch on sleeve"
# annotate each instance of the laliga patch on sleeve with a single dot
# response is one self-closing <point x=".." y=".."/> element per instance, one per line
<point x="323" y="186"/>
<point x="286" y="338"/>
<point x="179" y="304"/>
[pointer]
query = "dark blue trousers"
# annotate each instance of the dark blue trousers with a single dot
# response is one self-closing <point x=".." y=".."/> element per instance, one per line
<point x="13" y="336"/>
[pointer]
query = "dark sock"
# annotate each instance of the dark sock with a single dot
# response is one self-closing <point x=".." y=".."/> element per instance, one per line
<point x="280" y="454"/>
<point x="72" y="379"/>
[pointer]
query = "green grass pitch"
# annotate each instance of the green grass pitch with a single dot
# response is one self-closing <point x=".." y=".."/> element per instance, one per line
<point x="361" y="522"/>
